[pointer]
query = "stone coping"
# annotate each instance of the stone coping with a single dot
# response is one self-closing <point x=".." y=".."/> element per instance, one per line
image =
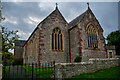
<point x="89" y="62"/>
<point x="74" y="63"/>
<point x="103" y="58"/>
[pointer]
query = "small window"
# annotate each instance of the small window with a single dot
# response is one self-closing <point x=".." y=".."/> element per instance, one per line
<point x="110" y="55"/>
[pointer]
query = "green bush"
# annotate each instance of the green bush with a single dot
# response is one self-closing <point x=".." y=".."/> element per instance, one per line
<point x="7" y="58"/>
<point x="78" y="59"/>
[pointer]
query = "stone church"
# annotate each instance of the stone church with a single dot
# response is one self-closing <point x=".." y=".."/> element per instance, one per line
<point x="54" y="39"/>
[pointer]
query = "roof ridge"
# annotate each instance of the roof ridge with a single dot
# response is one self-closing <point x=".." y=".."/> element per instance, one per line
<point x="77" y="16"/>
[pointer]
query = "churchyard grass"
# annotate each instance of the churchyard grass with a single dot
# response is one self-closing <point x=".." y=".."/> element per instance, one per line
<point x="106" y="73"/>
<point x="40" y="72"/>
<point x="5" y="70"/>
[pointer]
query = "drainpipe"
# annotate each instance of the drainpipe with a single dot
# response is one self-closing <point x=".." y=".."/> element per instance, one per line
<point x="69" y="46"/>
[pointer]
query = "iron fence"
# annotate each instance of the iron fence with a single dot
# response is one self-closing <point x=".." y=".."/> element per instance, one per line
<point x="29" y="71"/>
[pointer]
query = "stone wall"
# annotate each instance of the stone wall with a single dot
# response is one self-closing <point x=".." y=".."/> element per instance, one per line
<point x="54" y="20"/>
<point x="18" y="52"/>
<point x="67" y="70"/>
<point x="74" y="44"/>
<point x="26" y="49"/>
<point x="118" y="56"/>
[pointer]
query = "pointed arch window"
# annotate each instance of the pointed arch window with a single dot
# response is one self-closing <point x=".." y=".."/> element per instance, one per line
<point x="92" y="35"/>
<point x="34" y="45"/>
<point x="57" y="40"/>
<point x="31" y="43"/>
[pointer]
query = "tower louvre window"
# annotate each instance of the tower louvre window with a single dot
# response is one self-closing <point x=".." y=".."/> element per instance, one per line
<point x="57" y="39"/>
<point x="92" y="35"/>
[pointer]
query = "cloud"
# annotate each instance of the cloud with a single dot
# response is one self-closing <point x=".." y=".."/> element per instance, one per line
<point x="107" y="15"/>
<point x="28" y="21"/>
<point x="70" y="11"/>
<point x="11" y="20"/>
<point x="25" y="16"/>
<point x="46" y="6"/>
<point x="23" y="35"/>
<point x="60" y="0"/>
<point x="34" y="19"/>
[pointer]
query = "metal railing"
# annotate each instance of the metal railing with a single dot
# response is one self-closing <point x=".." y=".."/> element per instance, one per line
<point x="29" y="71"/>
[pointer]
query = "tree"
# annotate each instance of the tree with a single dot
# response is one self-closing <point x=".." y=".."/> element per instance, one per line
<point x="114" y="39"/>
<point x="8" y="39"/>
<point x="7" y="58"/>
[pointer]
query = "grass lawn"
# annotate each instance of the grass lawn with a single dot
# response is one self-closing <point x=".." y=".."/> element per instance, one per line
<point x="106" y="73"/>
<point x="5" y="70"/>
<point x="40" y="72"/>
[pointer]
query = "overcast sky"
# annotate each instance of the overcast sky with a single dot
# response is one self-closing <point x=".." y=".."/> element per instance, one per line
<point x="25" y="16"/>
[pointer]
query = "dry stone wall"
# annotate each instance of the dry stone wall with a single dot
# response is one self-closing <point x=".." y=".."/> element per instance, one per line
<point x="118" y="58"/>
<point x="67" y="70"/>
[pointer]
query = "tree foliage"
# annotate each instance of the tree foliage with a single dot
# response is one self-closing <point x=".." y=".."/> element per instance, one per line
<point x="7" y="58"/>
<point x="8" y="39"/>
<point x="114" y="39"/>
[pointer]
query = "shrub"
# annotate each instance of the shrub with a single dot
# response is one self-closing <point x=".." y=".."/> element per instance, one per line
<point x="7" y="58"/>
<point x="17" y="62"/>
<point x="78" y="59"/>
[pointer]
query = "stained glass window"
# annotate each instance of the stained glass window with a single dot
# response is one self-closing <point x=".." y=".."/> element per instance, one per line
<point x="92" y="37"/>
<point x="34" y="44"/>
<point x="31" y="48"/>
<point x="57" y="40"/>
<point x="52" y="41"/>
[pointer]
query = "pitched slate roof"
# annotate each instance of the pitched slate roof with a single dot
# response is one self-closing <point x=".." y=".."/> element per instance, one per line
<point x="79" y="18"/>
<point x="76" y="20"/>
<point x="110" y="47"/>
<point x="20" y="42"/>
